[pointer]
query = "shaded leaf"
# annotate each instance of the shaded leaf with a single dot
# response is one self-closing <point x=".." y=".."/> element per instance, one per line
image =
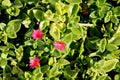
<point x="18" y="3"/>
<point x="38" y="14"/>
<point x="45" y="68"/>
<point x="116" y="10"/>
<point x="63" y="62"/>
<point x="114" y="19"/>
<point x="3" y="62"/>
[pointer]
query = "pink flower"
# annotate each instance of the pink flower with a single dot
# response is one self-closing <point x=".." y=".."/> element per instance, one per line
<point x="37" y="34"/>
<point x="59" y="45"/>
<point x="34" y="62"/>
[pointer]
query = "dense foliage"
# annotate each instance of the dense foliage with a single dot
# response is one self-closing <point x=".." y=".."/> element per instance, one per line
<point x="59" y="39"/>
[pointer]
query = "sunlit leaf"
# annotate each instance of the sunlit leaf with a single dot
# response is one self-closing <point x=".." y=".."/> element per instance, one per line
<point x="14" y="25"/>
<point x="108" y="16"/>
<point x="13" y="11"/>
<point x="109" y="65"/>
<point x="102" y="45"/>
<point x="74" y="1"/>
<point x="19" y="53"/>
<point x="6" y="3"/>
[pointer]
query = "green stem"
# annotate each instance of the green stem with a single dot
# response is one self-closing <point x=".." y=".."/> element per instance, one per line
<point x="4" y="73"/>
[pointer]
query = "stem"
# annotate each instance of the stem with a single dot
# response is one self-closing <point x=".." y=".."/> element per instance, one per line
<point x="86" y="24"/>
<point x="3" y="73"/>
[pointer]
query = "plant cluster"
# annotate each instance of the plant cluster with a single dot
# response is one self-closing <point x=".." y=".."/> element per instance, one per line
<point x="59" y="40"/>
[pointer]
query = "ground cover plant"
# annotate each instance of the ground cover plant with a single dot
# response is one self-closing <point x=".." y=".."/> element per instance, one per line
<point x="59" y="39"/>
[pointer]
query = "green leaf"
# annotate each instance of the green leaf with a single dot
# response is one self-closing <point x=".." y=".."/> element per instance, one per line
<point x="2" y="26"/>
<point x="50" y="1"/>
<point x="38" y="14"/>
<point x="16" y="70"/>
<point x="116" y="10"/>
<point x="108" y="16"/>
<point x="103" y="10"/>
<point x="74" y="1"/>
<point x="27" y="75"/>
<point x="3" y="62"/>
<point x="111" y="47"/>
<point x="67" y="38"/>
<point x="61" y="8"/>
<point x="14" y="25"/>
<point x="13" y="11"/>
<point x="45" y="68"/>
<point x="10" y="46"/>
<point x="29" y="42"/>
<point x="11" y="34"/>
<point x="117" y="77"/>
<point x="39" y="76"/>
<point x="43" y="25"/>
<point x="93" y="14"/>
<point x="54" y="31"/>
<point x="13" y="63"/>
<point x="63" y="62"/>
<point x="100" y="2"/>
<point x="115" y="40"/>
<point x="6" y="3"/>
<point x="19" y="53"/>
<point x="70" y="74"/>
<point x="114" y="19"/>
<point x="55" y="53"/>
<point x="118" y="1"/>
<point x="109" y="65"/>
<point x="5" y="39"/>
<point x="18" y="3"/>
<point x="116" y="54"/>
<point x="32" y="2"/>
<point x="76" y="29"/>
<point x="51" y="61"/>
<point x="81" y="49"/>
<point x="11" y="53"/>
<point x="108" y="78"/>
<point x="103" y="77"/>
<point x="74" y="9"/>
<point x="1" y="78"/>
<point x="49" y="15"/>
<point x="53" y="72"/>
<point x="117" y="33"/>
<point x="102" y="45"/>
<point x="30" y="13"/>
<point x="36" y="70"/>
<point x="73" y="19"/>
<point x="26" y="22"/>
<point x="59" y="18"/>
